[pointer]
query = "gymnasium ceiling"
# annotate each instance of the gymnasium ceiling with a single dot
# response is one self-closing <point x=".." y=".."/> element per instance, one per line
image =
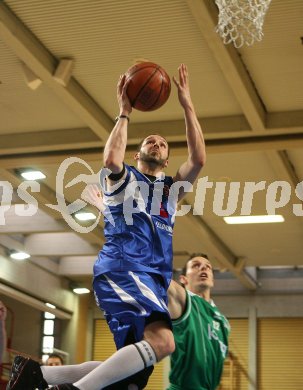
<point x="249" y="102"/>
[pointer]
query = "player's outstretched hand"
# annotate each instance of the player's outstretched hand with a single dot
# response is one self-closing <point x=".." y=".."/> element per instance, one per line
<point x="183" y="86"/>
<point x="123" y="100"/>
<point x="92" y="194"/>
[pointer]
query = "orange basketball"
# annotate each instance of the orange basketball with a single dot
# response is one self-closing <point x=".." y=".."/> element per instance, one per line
<point x="149" y="86"/>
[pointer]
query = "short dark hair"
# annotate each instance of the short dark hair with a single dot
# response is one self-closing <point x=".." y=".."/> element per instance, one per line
<point x="56" y="355"/>
<point x="141" y="143"/>
<point x="184" y="269"/>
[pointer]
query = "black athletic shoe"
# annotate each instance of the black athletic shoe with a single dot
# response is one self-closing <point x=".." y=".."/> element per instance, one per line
<point x="26" y="374"/>
<point x="64" y="386"/>
<point x="137" y="381"/>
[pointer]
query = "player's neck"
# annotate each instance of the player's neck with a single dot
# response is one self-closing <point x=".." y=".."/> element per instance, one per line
<point x="149" y="169"/>
<point x="203" y="293"/>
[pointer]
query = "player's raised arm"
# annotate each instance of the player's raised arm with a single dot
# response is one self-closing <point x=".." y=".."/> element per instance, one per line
<point x="176" y="299"/>
<point x="195" y="141"/>
<point x="114" y="150"/>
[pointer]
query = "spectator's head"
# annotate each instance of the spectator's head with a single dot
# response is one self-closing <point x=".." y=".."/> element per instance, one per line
<point x="54" y="360"/>
<point x="2" y="311"/>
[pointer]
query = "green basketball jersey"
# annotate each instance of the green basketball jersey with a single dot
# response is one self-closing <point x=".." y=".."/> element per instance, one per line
<point x="201" y="337"/>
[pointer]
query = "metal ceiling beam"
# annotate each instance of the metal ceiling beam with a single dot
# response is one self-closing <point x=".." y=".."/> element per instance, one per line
<point x="32" y="281"/>
<point x="84" y="138"/>
<point x="283" y="168"/>
<point x="284" y="171"/>
<point x="29" y="224"/>
<point x="286" y="121"/>
<point x="42" y="141"/>
<point x="214" y="146"/>
<point x="215" y="129"/>
<point x="71" y="266"/>
<point x="11" y="243"/>
<point x="33" y="302"/>
<point x="255" y="144"/>
<point x="205" y="13"/>
<point x="58" y="244"/>
<point x="42" y="63"/>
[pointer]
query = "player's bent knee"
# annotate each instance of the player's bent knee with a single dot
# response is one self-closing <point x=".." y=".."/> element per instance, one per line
<point x="166" y="347"/>
<point x="162" y="342"/>
<point x="169" y="345"/>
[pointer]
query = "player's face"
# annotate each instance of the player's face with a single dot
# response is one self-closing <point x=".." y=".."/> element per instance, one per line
<point x="2" y="311"/>
<point x="54" y="361"/>
<point x="154" y="150"/>
<point x="199" y="274"/>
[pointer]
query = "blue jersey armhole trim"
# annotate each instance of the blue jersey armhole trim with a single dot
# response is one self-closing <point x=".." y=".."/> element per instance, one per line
<point x="123" y="185"/>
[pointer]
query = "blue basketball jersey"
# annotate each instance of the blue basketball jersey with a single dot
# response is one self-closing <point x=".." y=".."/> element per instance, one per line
<point x="138" y="226"/>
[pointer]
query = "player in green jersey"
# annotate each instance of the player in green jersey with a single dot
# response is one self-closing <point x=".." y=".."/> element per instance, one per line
<point x="200" y="330"/>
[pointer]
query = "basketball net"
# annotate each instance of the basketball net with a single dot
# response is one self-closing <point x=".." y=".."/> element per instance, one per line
<point x="241" y="21"/>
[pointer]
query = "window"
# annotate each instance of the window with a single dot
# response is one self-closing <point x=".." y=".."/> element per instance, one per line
<point x="48" y="334"/>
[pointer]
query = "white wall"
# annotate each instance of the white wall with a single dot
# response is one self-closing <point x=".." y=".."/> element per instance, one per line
<point x="26" y="321"/>
<point x="273" y="305"/>
<point x="37" y="282"/>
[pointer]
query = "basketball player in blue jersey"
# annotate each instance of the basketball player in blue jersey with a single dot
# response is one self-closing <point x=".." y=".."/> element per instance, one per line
<point x="134" y="267"/>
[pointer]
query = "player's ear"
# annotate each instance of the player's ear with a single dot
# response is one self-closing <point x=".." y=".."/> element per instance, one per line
<point x="137" y="156"/>
<point x="183" y="280"/>
<point x="166" y="163"/>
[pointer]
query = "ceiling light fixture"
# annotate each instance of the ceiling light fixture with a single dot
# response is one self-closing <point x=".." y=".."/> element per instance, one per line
<point x="50" y="305"/>
<point x="81" y="290"/>
<point x="19" y="255"/>
<point x="246" y="219"/>
<point x="84" y="216"/>
<point x="32" y="175"/>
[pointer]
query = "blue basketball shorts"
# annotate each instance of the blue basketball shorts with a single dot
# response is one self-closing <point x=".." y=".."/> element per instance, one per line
<point x="130" y="300"/>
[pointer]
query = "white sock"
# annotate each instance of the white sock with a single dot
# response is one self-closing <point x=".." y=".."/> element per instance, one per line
<point x="54" y="375"/>
<point x="122" y="364"/>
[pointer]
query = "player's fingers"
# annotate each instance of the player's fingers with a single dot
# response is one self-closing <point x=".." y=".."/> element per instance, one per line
<point x="120" y="83"/>
<point x="185" y="72"/>
<point x="95" y="188"/>
<point x="181" y="74"/>
<point x="176" y="82"/>
<point x="89" y="193"/>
